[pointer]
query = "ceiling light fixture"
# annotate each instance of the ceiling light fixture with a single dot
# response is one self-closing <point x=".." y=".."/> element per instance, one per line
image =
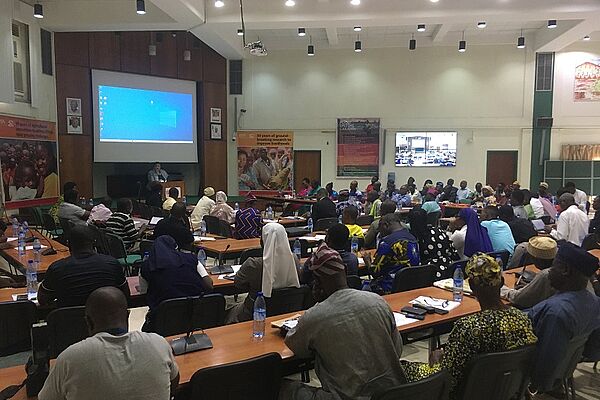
<point x="521" y="41"/>
<point x="219" y="3"/>
<point x="301" y="32"/>
<point x="421" y="28"/>
<point x="38" y="10"/>
<point x="587" y="37"/>
<point x="358" y="45"/>
<point x="412" y="43"/>
<point x="434" y="1"/>
<point x="552" y="24"/>
<point x="355" y="2"/>
<point x="462" y="45"/>
<point x="140" y="7"/>
<point x="311" y="48"/>
<point x="357" y="29"/>
<point x="290" y="3"/>
<point x="240" y="32"/>
<point x="481" y="24"/>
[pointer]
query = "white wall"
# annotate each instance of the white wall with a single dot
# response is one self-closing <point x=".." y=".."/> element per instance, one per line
<point x="574" y="122"/>
<point x="43" y="95"/>
<point x="485" y="94"/>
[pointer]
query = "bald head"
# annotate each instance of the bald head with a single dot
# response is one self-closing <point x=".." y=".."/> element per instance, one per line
<point x="106" y="308"/>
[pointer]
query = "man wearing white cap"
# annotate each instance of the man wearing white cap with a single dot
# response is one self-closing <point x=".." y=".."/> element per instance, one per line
<point x="203" y="207"/>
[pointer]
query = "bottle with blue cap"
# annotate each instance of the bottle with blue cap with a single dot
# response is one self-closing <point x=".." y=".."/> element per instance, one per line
<point x="297" y="248"/>
<point x="21" y="241"/>
<point x="32" y="284"/>
<point x="260" y="314"/>
<point x="309" y="225"/>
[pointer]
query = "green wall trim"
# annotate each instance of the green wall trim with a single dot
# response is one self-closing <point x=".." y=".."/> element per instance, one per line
<point x="542" y="107"/>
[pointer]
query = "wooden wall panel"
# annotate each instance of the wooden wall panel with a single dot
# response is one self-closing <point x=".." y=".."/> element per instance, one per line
<point x="75" y="162"/>
<point x="105" y="50"/>
<point x="164" y="63"/>
<point x="73" y="81"/>
<point x="190" y="70"/>
<point x="214" y="66"/>
<point x="214" y="95"/>
<point x="134" y="52"/>
<point x="215" y="164"/>
<point x="71" y="48"/>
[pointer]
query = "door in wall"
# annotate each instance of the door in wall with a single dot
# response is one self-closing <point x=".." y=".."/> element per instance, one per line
<point x="501" y="167"/>
<point x="307" y="164"/>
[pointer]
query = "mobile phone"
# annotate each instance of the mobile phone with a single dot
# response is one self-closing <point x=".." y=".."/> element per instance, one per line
<point x="413" y="310"/>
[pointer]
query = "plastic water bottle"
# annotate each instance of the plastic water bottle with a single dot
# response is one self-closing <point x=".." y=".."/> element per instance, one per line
<point x="31" y="276"/>
<point x="202" y="257"/>
<point x="309" y="224"/>
<point x="184" y="200"/>
<point x="269" y="212"/>
<point x="260" y="314"/>
<point x="236" y="207"/>
<point x="202" y="228"/>
<point x="15" y="227"/>
<point x="25" y="227"/>
<point x="82" y="201"/>
<point x="91" y="202"/>
<point x="297" y="248"/>
<point x="457" y="287"/>
<point x="354" y="245"/>
<point x="21" y="241"/>
<point x="340" y="219"/>
<point x="37" y="253"/>
<point x="146" y="256"/>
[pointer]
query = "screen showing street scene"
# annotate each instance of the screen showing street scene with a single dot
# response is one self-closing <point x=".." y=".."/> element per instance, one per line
<point x="425" y="149"/>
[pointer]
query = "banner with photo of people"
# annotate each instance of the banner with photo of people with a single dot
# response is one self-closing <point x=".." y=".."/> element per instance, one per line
<point x="28" y="160"/>
<point x="358" y="147"/>
<point x="265" y="160"/>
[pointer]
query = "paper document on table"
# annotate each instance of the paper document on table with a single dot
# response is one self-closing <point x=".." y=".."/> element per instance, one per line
<point x="448" y="284"/>
<point x="155" y="220"/>
<point x="292" y="218"/>
<point x="23" y="296"/>
<point x="204" y="239"/>
<point x="361" y="261"/>
<point x="447" y="305"/>
<point x="266" y="221"/>
<point x="31" y="247"/>
<point x="365" y="230"/>
<point x="402" y="319"/>
<point x="235" y="269"/>
<point x="10" y="238"/>
<point x="316" y="238"/>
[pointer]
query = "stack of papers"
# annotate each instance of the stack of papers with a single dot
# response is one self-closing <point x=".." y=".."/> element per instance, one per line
<point x="266" y="221"/>
<point x="27" y="248"/>
<point x="235" y="268"/>
<point x="448" y="284"/>
<point x="292" y="218"/>
<point x="402" y="319"/>
<point x="204" y="238"/>
<point x="316" y="238"/>
<point x="155" y="220"/>
<point x="442" y="304"/>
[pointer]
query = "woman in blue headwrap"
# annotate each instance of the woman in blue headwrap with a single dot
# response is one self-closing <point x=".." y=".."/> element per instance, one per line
<point x="469" y="237"/>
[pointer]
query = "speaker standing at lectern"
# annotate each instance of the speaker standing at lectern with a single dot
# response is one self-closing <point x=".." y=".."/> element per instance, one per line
<point x="157" y="174"/>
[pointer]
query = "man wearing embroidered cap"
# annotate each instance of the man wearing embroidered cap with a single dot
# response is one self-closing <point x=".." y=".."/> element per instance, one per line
<point x="203" y="207"/>
<point x="248" y="222"/>
<point x="324" y="331"/>
<point x="571" y="313"/>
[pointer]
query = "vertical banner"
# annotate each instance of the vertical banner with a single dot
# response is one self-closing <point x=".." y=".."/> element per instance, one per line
<point x="265" y="160"/>
<point x="358" y="147"/>
<point x="28" y="159"/>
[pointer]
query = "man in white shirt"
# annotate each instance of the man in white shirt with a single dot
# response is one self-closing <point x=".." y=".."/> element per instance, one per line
<point x="579" y="195"/>
<point x="572" y="224"/>
<point x="112" y="363"/>
<point x="464" y="193"/>
<point x="203" y="207"/>
<point x="537" y="206"/>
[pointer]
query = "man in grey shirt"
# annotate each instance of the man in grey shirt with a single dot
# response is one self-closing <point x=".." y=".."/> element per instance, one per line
<point x="70" y="211"/>
<point x="328" y="330"/>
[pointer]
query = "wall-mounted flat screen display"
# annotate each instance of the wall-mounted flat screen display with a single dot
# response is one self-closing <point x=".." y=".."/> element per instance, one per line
<point x="425" y="149"/>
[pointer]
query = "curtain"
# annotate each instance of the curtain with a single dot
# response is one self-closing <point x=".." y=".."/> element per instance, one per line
<point x="580" y="152"/>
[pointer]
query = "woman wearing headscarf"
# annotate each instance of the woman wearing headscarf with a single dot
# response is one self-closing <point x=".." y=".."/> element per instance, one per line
<point x="168" y="274"/>
<point x="435" y="247"/>
<point x="276" y="269"/>
<point x="221" y="209"/>
<point x="496" y="328"/>
<point x="468" y="236"/>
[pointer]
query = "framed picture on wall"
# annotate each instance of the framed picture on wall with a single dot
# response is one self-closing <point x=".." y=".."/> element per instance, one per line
<point x="73" y="106"/>
<point x="215" y="115"/>
<point x="74" y="125"/>
<point x="215" y="132"/>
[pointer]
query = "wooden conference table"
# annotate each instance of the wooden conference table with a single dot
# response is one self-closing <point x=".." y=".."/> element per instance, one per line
<point x="12" y="254"/>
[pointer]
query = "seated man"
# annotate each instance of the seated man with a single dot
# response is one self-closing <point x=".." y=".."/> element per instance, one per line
<point x="397" y="249"/>
<point x="373" y="204"/>
<point x="522" y="229"/>
<point x="154" y="196"/>
<point x="572" y="224"/>
<point x="498" y="231"/>
<point x="595" y="223"/>
<point x="69" y="281"/>
<point x="176" y="225"/>
<point x="203" y="207"/>
<point x="172" y="199"/>
<point x="430" y="205"/>
<point x="540" y="251"/>
<point x="572" y="312"/>
<point x="517" y="201"/>
<point x="349" y="219"/>
<point x="248" y="222"/>
<point x="324" y="207"/>
<point x="354" y="192"/>
<point x="121" y="224"/>
<point x="464" y="194"/>
<point x="70" y="211"/>
<point x="387" y="207"/>
<point x="344" y="201"/>
<point x="402" y="198"/>
<point x="113" y="363"/>
<point x="580" y="196"/>
<point x="344" y="313"/>
<point x="449" y="192"/>
<point x="101" y="213"/>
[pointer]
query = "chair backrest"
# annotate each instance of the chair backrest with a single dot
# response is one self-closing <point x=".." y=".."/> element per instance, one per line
<point x="572" y="357"/>
<point x="497" y="376"/>
<point x="66" y="326"/>
<point x="100" y="240"/>
<point x="225" y="230"/>
<point x="434" y="387"/>
<point x="16" y="318"/>
<point x="145" y="246"/>
<point x="449" y="272"/>
<point x="254" y="379"/>
<point x="325" y="223"/>
<point x="502" y="255"/>
<point x="246" y="254"/>
<point x="410" y="278"/>
<point x="184" y="314"/>
<point x="364" y="220"/>
<point x="48" y="222"/>
<point x="212" y="224"/>
<point x="145" y="211"/>
<point x="304" y="247"/>
<point x="287" y="300"/>
<point x="591" y="242"/>
<point x="37" y="216"/>
<point x="116" y="246"/>
<point x="354" y="282"/>
<point x="433" y="218"/>
<point x="66" y="225"/>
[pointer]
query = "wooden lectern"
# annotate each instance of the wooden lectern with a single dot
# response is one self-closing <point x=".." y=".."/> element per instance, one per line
<point x="180" y="185"/>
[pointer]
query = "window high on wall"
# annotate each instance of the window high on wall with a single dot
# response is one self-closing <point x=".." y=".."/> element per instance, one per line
<point x="20" y="39"/>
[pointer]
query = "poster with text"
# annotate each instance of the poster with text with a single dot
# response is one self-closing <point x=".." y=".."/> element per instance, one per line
<point x="265" y="160"/>
<point x="28" y="160"/>
<point x="587" y="81"/>
<point x="358" y="147"/>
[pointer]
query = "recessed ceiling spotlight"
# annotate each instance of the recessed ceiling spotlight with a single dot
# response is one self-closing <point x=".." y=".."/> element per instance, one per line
<point x="357" y="29"/>
<point x="140" y="7"/>
<point x="434" y="1"/>
<point x="358" y="44"/>
<point x="38" y="10"/>
<point x="462" y="45"/>
<point x="301" y="31"/>
<point x="521" y="42"/>
<point x="421" y="28"/>
<point x="481" y="24"/>
<point x="290" y="3"/>
<point x="311" y="50"/>
<point x="412" y="43"/>
<point x="240" y="32"/>
<point x="219" y="3"/>
<point x="355" y="2"/>
<point x="587" y="37"/>
<point x="552" y="24"/>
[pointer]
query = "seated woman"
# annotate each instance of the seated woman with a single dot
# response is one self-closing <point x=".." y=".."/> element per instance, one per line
<point x="168" y="274"/>
<point x="435" y="246"/>
<point x="496" y="328"/>
<point x="276" y="269"/>
<point x="467" y="234"/>
<point x="221" y="209"/>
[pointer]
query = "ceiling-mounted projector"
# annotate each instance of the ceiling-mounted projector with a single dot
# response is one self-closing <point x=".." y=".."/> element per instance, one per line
<point x="257" y="48"/>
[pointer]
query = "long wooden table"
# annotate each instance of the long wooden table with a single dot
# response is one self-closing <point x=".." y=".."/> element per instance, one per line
<point x="282" y="200"/>
<point x="12" y="254"/>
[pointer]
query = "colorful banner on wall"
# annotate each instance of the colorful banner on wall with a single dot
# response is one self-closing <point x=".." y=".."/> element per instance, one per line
<point x="29" y="162"/>
<point x="265" y="160"/>
<point x="358" y="147"/>
<point x="587" y="81"/>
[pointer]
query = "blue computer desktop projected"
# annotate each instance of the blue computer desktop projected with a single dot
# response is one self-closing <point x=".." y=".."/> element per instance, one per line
<point x="141" y="115"/>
